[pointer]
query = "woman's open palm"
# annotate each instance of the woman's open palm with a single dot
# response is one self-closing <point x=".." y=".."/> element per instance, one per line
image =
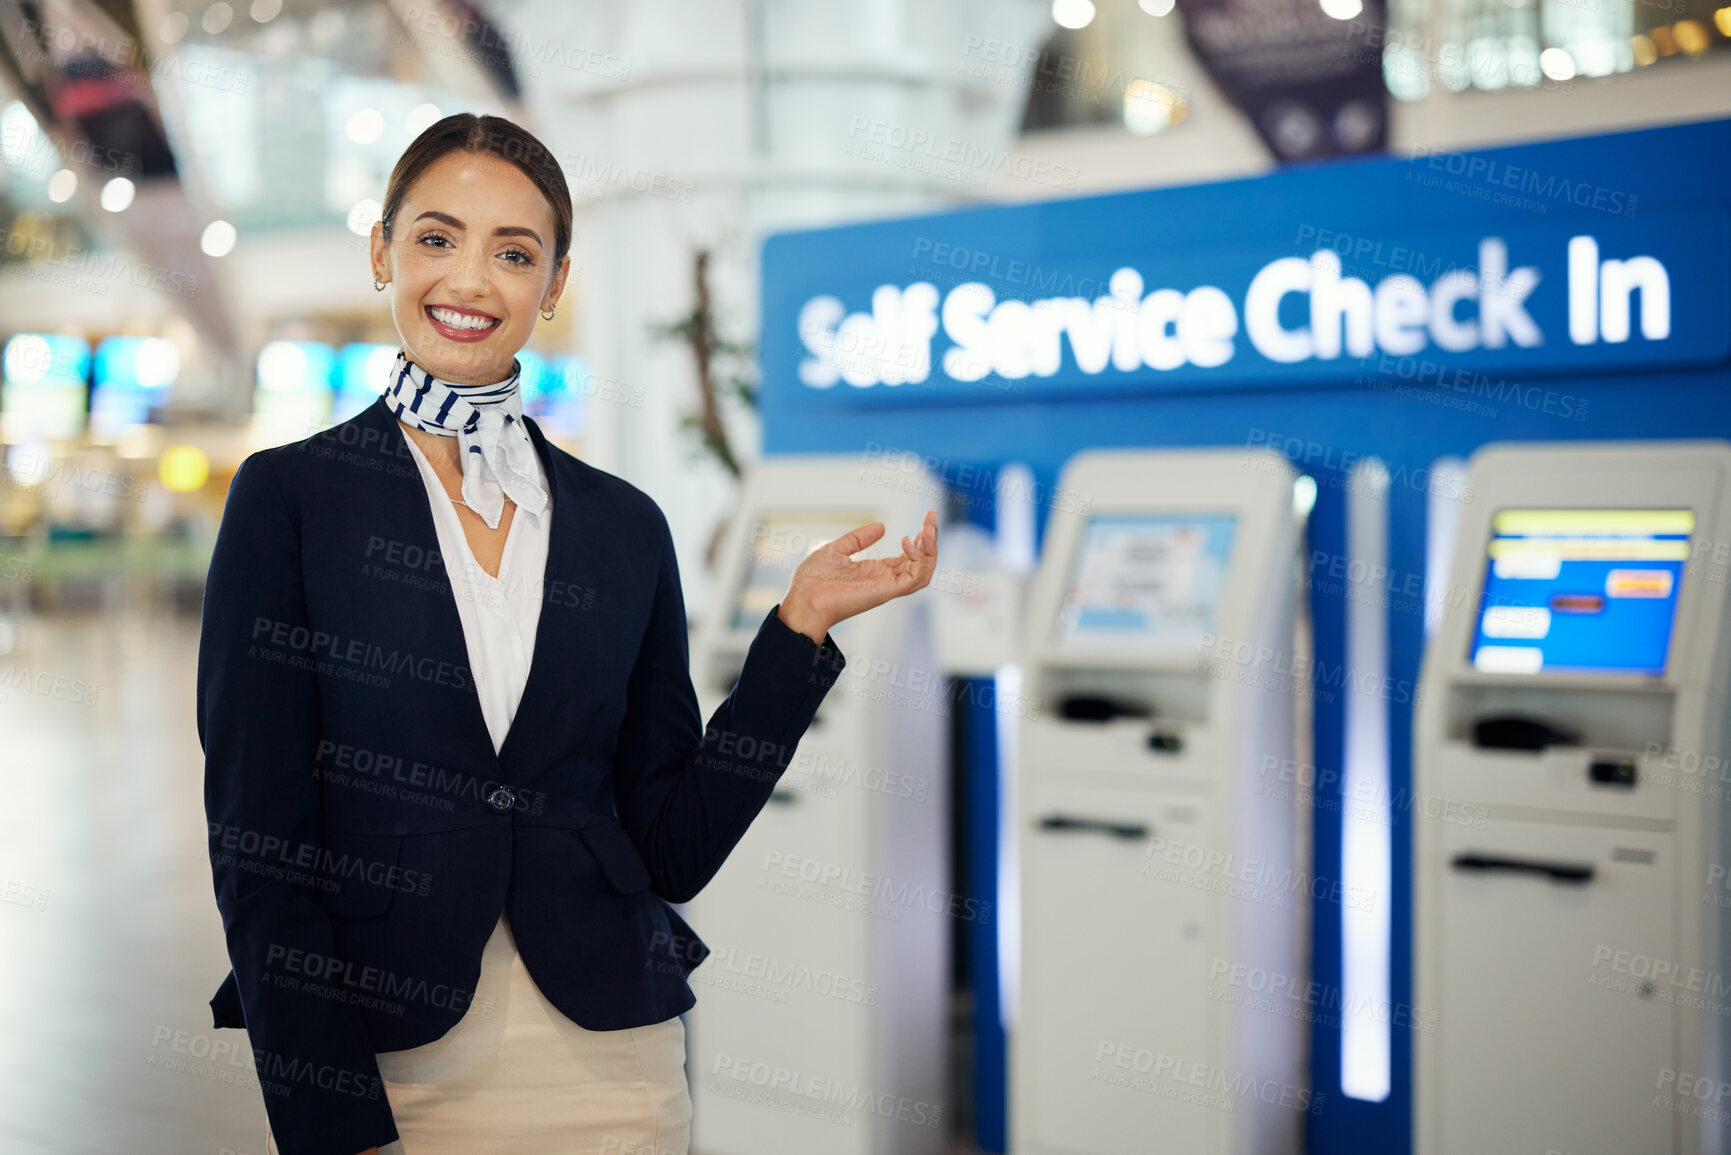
<point x="831" y="586"/>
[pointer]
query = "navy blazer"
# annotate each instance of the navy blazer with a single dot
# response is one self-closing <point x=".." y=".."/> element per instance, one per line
<point x="364" y="834"/>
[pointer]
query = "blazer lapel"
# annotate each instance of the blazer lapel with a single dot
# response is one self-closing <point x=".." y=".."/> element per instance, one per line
<point x="536" y="693"/>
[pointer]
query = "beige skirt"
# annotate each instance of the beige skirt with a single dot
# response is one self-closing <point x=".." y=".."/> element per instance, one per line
<point x="515" y="1076"/>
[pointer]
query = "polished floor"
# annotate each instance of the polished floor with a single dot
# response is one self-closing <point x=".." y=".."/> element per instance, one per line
<point x="110" y="943"/>
<point x="109" y="937"/>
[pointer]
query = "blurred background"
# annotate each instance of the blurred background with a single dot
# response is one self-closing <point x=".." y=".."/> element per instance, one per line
<point x="186" y="190"/>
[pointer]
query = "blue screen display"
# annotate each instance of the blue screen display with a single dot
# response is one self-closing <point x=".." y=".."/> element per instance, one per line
<point x="1581" y="590"/>
<point x="45" y="359"/>
<point x="559" y="392"/>
<point x="137" y="363"/>
<point x="301" y="367"/>
<point x="364" y="368"/>
<point x="133" y="376"/>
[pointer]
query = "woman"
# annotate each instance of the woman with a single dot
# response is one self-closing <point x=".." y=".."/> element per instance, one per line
<point x="455" y="770"/>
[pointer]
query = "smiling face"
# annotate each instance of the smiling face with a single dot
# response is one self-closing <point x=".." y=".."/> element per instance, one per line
<point x="470" y="264"/>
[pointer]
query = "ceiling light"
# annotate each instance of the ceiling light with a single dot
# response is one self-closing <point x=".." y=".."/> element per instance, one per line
<point x="117" y="194"/>
<point x="218" y="239"/>
<point x="1073" y="13"/>
<point x="62" y="185"/>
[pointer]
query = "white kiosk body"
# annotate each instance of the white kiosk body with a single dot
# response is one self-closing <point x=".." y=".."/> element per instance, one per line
<point x="822" y="1017"/>
<point x="1569" y="928"/>
<point x="1158" y="850"/>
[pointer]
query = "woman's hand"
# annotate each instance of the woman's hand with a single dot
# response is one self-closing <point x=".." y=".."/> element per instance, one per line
<point x="829" y="586"/>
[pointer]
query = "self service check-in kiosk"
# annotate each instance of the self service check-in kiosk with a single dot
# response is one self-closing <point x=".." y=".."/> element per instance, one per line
<point x="1569" y="937"/>
<point x="1154" y="857"/>
<point x="822" y="1017"/>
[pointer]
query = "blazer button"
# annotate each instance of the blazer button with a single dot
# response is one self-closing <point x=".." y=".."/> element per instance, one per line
<point x="502" y="799"/>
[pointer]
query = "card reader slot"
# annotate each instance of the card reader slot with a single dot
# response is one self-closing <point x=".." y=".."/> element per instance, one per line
<point x="1500" y="716"/>
<point x="1071" y="824"/>
<point x="1520" y="732"/>
<point x="1089" y="694"/>
<point x="1570" y="872"/>
<point x="1100" y="708"/>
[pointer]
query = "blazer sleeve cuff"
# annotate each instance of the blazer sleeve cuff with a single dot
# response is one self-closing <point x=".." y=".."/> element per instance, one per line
<point x="785" y="644"/>
<point x="783" y="680"/>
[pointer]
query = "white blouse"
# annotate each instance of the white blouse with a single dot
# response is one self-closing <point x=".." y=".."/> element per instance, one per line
<point x="499" y="614"/>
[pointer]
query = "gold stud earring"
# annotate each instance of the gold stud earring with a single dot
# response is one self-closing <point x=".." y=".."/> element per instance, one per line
<point x="547" y="314"/>
<point x="378" y="284"/>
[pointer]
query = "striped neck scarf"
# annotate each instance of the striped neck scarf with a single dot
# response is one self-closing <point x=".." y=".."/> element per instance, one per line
<point x="487" y="421"/>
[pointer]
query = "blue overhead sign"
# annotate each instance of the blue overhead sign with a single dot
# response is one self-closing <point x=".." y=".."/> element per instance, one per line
<point x="1104" y="296"/>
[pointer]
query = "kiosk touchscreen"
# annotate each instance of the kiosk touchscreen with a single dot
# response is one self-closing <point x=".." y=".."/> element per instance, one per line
<point x="822" y="1017"/>
<point x="1568" y="931"/>
<point x="1143" y="583"/>
<point x="1155" y="856"/>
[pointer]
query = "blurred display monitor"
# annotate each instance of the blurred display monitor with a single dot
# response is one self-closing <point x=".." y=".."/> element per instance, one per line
<point x="133" y="377"/>
<point x="780" y="540"/>
<point x="557" y="397"/>
<point x="293" y="398"/>
<point x="43" y="386"/>
<point x="363" y="371"/>
<point x="552" y="391"/>
<point x="1581" y="590"/>
<point x="1145" y="583"/>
